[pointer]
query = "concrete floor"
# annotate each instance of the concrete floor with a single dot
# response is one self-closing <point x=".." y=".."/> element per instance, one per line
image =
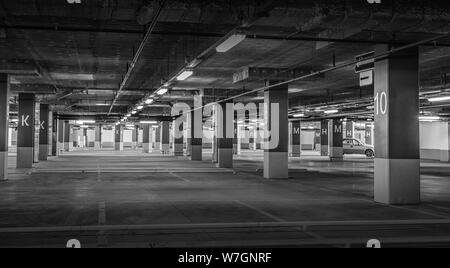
<point x="108" y="199"/>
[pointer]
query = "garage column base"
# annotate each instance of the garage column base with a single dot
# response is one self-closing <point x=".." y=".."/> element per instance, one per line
<point x="196" y="153"/>
<point x="25" y="157"/>
<point x="146" y="148"/>
<point x="276" y="165"/>
<point x="43" y="152"/>
<point x="397" y="181"/>
<point x="165" y="149"/>
<point x="118" y="146"/>
<point x="225" y="158"/>
<point x="3" y="166"/>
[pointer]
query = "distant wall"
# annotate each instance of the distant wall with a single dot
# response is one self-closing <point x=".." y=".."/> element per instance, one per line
<point x="434" y="141"/>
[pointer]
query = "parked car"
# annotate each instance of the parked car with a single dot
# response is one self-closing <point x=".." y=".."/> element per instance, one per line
<point x="355" y="146"/>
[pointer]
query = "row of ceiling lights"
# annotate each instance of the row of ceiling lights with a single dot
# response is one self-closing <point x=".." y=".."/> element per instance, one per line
<point x="187" y="72"/>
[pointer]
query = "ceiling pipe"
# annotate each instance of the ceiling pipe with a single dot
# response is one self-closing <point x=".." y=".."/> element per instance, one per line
<point x="138" y="54"/>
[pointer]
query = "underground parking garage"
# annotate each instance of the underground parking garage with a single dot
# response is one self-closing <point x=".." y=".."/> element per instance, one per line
<point x="224" y="124"/>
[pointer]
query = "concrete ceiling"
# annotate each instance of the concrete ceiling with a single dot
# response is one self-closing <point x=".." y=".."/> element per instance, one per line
<point x="74" y="56"/>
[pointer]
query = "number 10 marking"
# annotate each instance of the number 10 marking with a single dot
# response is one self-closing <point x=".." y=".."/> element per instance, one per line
<point x="381" y="103"/>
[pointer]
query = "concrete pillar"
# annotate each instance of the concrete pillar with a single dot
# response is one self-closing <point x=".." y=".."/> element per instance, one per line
<point x="397" y="149"/>
<point x="165" y="137"/>
<point x="4" y="125"/>
<point x="197" y="135"/>
<point x="85" y="138"/>
<point x="137" y="136"/>
<point x="10" y="131"/>
<point x="239" y="138"/>
<point x="324" y="138"/>
<point x="187" y="134"/>
<point x="44" y="132"/>
<point x="251" y="138"/>
<point x="369" y="134"/>
<point x="134" y="140"/>
<point x="178" y="137"/>
<point x="215" y="147"/>
<point x="60" y="136"/>
<point x="349" y="129"/>
<point x="146" y="139"/>
<point x="55" y="130"/>
<point x="337" y="140"/>
<point x="98" y="137"/>
<point x="258" y="137"/>
<point x="26" y="131"/>
<point x="225" y="134"/>
<point x="158" y="138"/>
<point x="296" y="139"/>
<point x="118" y="138"/>
<point x="276" y="132"/>
<point x="236" y="138"/>
<point x="68" y="137"/>
<point x="37" y="110"/>
<point x="152" y="138"/>
<point x="52" y="135"/>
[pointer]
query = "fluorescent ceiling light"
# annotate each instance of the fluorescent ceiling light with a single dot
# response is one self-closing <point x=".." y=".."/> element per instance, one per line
<point x="184" y="75"/>
<point x="439" y="99"/>
<point x="299" y="115"/>
<point x="128" y="115"/>
<point x="231" y="42"/>
<point x="429" y="118"/>
<point x="82" y="122"/>
<point x="140" y="107"/>
<point x="331" y="112"/>
<point x="134" y="112"/>
<point x="149" y="101"/>
<point x="149" y="122"/>
<point x="162" y="91"/>
<point x="84" y="127"/>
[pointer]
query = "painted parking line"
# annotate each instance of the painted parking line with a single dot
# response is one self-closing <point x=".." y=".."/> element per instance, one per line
<point x="260" y="211"/>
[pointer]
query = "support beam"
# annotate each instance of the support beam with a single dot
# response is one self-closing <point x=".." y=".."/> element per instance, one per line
<point x="349" y="129"/>
<point x="26" y="131"/>
<point x="178" y="137"/>
<point x="236" y="137"/>
<point x="369" y="134"/>
<point x="224" y="114"/>
<point x="215" y="146"/>
<point x="165" y="137"/>
<point x="324" y="138"/>
<point x="68" y="137"/>
<point x="276" y="132"/>
<point x="337" y="140"/>
<point x="118" y="138"/>
<point x="51" y="128"/>
<point x="134" y="137"/>
<point x="146" y="138"/>
<point x="37" y="112"/>
<point x="44" y="132"/>
<point x="296" y="139"/>
<point x="4" y="125"/>
<point x="98" y="137"/>
<point x="158" y="138"/>
<point x="60" y="136"/>
<point x="397" y="160"/>
<point x="197" y="135"/>
<point x="55" y="129"/>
